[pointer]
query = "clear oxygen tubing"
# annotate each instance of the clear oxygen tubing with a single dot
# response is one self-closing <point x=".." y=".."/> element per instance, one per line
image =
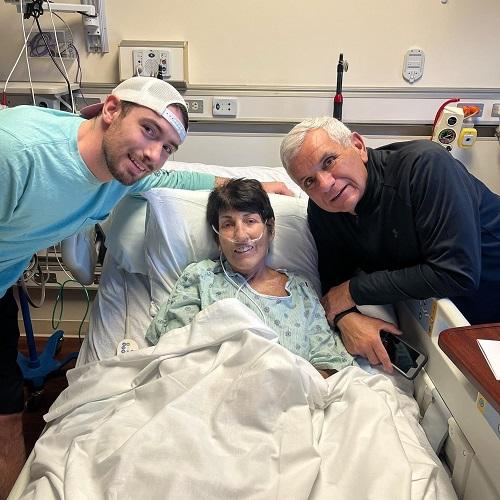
<point x="240" y="287"/>
<point x="248" y="242"/>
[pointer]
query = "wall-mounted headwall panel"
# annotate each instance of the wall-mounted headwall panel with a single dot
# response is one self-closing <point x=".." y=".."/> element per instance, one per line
<point x="176" y="54"/>
<point x="295" y="43"/>
<point x="359" y="106"/>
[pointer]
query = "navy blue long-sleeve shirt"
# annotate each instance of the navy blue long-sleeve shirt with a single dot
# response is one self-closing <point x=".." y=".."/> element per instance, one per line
<point x="425" y="227"/>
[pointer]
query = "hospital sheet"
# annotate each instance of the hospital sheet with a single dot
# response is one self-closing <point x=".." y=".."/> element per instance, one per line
<point x="219" y="410"/>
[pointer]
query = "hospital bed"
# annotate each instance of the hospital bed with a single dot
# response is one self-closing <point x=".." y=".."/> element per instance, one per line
<point x="149" y="242"/>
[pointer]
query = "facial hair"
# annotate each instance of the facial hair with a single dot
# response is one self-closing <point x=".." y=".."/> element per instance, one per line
<point x="112" y="155"/>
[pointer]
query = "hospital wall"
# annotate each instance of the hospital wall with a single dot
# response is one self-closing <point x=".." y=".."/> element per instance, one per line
<point x="291" y="42"/>
<point x="280" y="58"/>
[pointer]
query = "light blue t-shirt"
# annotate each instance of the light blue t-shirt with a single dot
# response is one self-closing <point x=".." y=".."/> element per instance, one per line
<point x="298" y="319"/>
<point x="47" y="192"/>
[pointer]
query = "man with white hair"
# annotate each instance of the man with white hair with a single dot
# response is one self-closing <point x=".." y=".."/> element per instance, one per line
<point x="403" y="221"/>
<point x="60" y="173"/>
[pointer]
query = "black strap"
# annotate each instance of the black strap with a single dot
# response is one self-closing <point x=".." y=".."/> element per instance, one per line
<point x="340" y="315"/>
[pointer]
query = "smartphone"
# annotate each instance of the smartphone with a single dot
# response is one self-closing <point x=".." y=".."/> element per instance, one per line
<point x="405" y="358"/>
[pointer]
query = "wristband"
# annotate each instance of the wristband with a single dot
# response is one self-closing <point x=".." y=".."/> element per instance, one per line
<point x="340" y="315"/>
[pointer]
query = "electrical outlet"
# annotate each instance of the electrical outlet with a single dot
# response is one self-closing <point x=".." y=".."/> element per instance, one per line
<point x="194" y="105"/>
<point x="224" y="106"/>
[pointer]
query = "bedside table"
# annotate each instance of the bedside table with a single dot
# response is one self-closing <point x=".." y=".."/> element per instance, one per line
<point x="460" y="344"/>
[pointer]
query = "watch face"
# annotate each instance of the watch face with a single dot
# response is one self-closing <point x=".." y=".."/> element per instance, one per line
<point x="447" y="136"/>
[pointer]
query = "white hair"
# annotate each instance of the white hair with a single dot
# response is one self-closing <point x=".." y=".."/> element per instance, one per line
<point x="294" y="140"/>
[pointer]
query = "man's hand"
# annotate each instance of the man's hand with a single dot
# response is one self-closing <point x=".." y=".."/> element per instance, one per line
<point x="336" y="300"/>
<point x="276" y="188"/>
<point x="361" y="336"/>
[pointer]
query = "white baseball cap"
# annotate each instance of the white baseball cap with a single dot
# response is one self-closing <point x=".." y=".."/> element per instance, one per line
<point x="152" y="93"/>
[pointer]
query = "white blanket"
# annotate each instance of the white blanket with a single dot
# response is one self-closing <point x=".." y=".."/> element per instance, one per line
<point x="219" y="410"/>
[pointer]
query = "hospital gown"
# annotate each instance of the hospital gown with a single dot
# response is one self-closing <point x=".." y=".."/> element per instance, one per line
<point x="298" y="319"/>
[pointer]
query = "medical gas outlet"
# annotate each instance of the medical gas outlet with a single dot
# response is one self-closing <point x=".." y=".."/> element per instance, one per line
<point x="151" y="62"/>
<point x="167" y="60"/>
<point x="467" y="137"/>
<point x="448" y="127"/>
<point x="453" y="127"/>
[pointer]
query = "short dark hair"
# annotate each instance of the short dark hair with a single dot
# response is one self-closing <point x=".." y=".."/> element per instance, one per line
<point x="126" y="107"/>
<point x="243" y="195"/>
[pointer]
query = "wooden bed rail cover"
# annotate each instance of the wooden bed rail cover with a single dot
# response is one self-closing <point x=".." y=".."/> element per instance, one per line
<point x="460" y="344"/>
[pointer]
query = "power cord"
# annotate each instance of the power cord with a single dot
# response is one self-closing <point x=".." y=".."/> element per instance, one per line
<point x="60" y="300"/>
<point x="71" y="46"/>
<point x="35" y="10"/>
<point x="25" y="38"/>
<point x="40" y="31"/>
<point x="32" y="269"/>
<point x="38" y="47"/>
<point x="73" y="109"/>
<point x="4" y="95"/>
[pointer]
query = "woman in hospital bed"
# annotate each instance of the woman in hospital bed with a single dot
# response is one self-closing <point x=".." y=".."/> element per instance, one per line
<point x="242" y="220"/>
<point x="218" y="410"/>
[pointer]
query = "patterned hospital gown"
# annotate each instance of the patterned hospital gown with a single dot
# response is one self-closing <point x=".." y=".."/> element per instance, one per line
<point x="299" y="319"/>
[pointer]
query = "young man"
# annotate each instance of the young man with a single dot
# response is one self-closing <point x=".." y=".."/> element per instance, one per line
<point x="402" y="221"/>
<point x="59" y="173"/>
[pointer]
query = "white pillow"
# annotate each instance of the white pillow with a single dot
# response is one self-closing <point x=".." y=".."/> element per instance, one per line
<point x="252" y="172"/>
<point x="178" y="234"/>
<point x="124" y="230"/>
<point x="125" y="227"/>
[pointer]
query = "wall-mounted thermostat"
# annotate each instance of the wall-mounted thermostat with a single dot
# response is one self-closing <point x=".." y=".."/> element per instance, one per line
<point x="413" y="67"/>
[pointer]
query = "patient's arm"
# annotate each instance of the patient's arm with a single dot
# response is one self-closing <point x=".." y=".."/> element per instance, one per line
<point x="181" y="307"/>
<point x="275" y="187"/>
<point x="361" y="336"/>
<point x="326" y="351"/>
